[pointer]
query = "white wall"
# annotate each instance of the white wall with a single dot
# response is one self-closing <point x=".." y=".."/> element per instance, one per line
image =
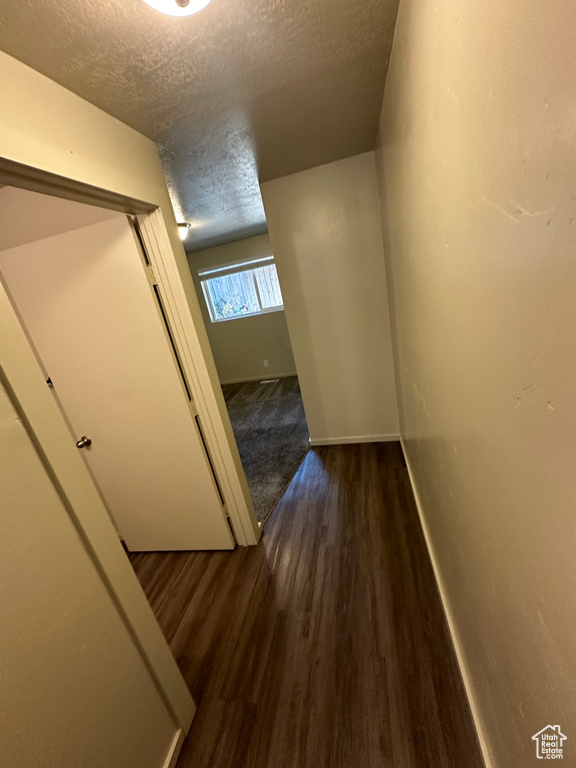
<point x="478" y="173"/>
<point x="240" y="346"/>
<point x="325" y="229"/>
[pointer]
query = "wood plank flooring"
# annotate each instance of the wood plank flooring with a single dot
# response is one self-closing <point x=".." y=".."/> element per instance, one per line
<point x="326" y="645"/>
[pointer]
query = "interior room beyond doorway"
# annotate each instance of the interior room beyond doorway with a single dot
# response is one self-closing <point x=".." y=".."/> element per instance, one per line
<point x="272" y="435"/>
<point x="242" y="304"/>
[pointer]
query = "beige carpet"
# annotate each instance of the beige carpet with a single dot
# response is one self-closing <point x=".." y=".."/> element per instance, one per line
<point x="272" y="435"/>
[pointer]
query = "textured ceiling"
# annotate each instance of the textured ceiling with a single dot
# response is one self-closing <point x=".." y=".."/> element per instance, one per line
<point x="242" y="92"/>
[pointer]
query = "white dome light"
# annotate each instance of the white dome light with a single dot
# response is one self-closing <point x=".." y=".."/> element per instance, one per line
<point x="177" y="7"/>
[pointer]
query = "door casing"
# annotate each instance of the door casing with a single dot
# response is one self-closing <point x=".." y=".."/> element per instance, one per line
<point x="228" y="471"/>
<point x="88" y="289"/>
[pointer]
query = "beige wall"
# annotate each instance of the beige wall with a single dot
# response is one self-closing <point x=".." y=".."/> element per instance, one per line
<point x="240" y="346"/>
<point x="325" y="230"/>
<point x="478" y="174"/>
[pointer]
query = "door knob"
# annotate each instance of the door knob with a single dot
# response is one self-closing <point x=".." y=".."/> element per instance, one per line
<point x="84" y="442"/>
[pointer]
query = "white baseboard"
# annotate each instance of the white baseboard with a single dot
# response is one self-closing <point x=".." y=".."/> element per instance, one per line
<point x="450" y="620"/>
<point x="353" y="439"/>
<point x="260" y="378"/>
<point x="174" y="751"/>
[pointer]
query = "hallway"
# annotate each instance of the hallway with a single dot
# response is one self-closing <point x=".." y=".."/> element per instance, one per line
<point x="326" y="645"/>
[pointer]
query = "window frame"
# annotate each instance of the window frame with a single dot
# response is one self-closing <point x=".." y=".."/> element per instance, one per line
<point x="210" y="273"/>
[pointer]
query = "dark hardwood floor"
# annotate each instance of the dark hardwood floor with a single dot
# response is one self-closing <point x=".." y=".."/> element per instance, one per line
<point x="326" y="645"/>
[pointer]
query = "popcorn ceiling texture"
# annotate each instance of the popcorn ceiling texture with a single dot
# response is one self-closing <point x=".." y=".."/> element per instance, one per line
<point x="242" y="92"/>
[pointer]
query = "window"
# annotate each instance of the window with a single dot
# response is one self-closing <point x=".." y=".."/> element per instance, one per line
<point x="238" y="290"/>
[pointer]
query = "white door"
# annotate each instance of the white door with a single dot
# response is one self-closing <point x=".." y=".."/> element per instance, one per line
<point x="90" y="312"/>
<point x="71" y="674"/>
<point x="87" y="678"/>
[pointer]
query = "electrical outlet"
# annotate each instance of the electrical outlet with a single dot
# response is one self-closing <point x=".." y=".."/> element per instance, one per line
<point x="265" y="363"/>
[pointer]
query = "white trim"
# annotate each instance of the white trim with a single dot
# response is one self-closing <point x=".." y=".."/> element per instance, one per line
<point x="237" y="498"/>
<point x="174" y="751"/>
<point x="482" y="738"/>
<point x="354" y="439"/>
<point x="205" y="272"/>
<point x="260" y="378"/>
<point x="279" y="308"/>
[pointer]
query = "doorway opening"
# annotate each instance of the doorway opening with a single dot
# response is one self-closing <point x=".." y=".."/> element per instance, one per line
<point x="81" y="284"/>
<point x="241" y="299"/>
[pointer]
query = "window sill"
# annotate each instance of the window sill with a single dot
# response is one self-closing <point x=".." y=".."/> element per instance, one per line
<point x="247" y="314"/>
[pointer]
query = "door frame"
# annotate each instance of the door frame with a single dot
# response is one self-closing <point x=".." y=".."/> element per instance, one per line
<point x="220" y="443"/>
<point x="165" y="271"/>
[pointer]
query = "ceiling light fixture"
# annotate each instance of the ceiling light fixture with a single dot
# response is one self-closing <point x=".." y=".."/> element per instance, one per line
<point x="177" y="7"/>
<point x="183" y="230"/>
